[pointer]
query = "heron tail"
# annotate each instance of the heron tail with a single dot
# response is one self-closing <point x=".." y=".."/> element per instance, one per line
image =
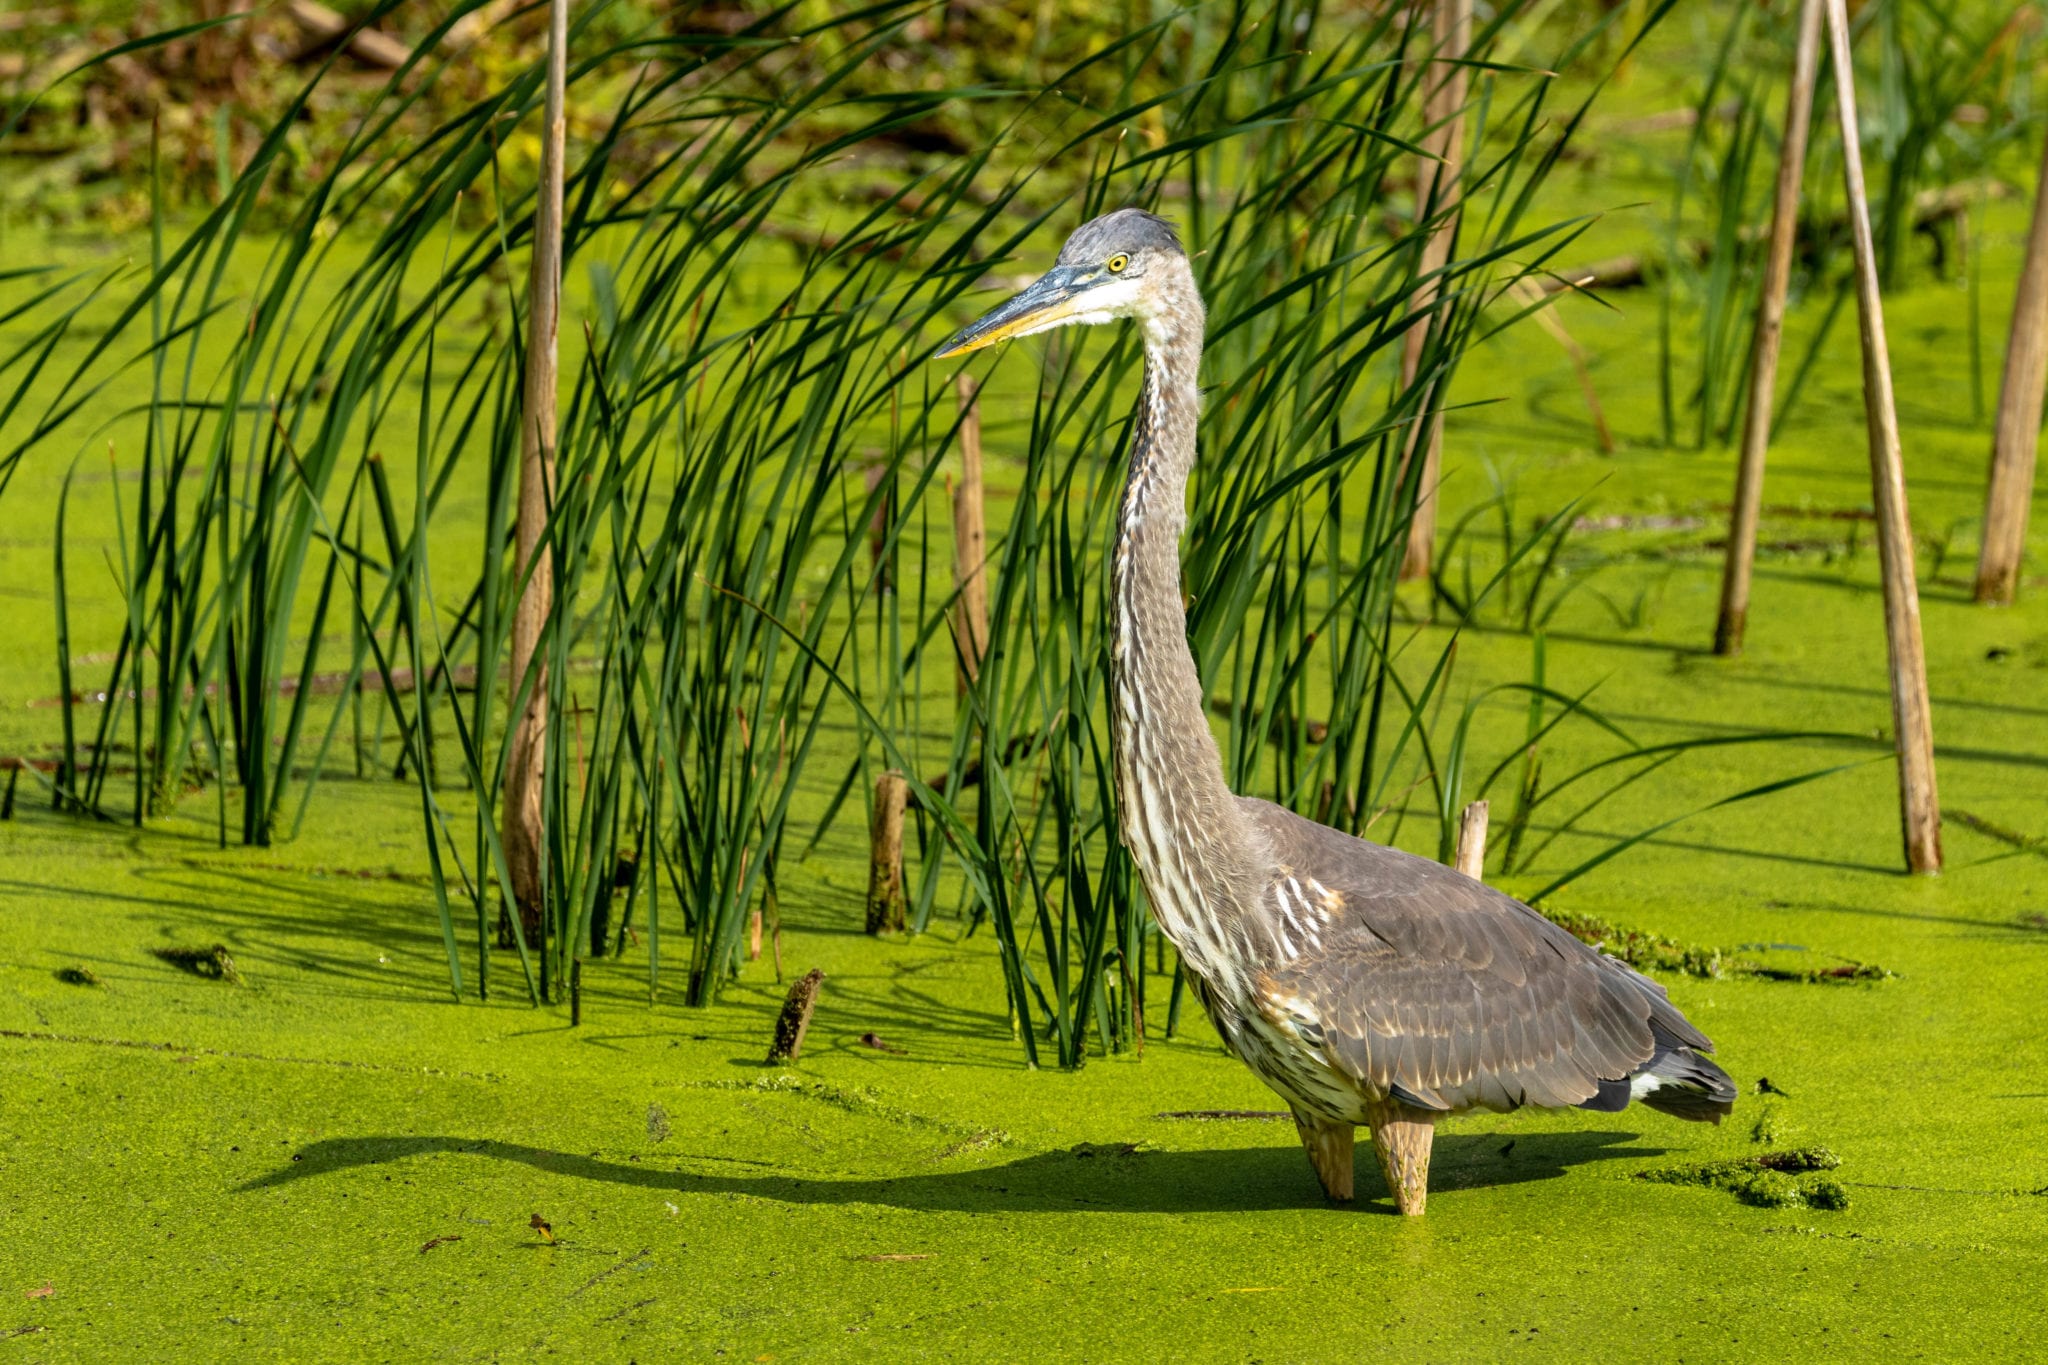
<point x="1682" y="1083"/>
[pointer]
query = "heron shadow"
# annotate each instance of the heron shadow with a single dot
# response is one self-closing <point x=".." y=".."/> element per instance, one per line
<point x="1109" y="1178"/>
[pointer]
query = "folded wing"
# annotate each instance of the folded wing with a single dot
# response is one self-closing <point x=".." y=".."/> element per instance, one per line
<point x="1446" y="994"/>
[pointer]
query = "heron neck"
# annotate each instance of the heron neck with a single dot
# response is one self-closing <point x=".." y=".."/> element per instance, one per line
<point x="1179" y="819"/>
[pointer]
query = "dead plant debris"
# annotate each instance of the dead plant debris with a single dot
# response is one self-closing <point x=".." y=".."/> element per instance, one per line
<point x="1648" y="952"/>
<point x="214" y="963"/>
<point x="1787" y="1179"/>
<point x="1083" y="1151"/>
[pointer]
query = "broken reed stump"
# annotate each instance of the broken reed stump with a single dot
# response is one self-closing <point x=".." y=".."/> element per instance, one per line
<point x="1912" y="721"/>
<point x="1436" y="195"/>
<point x="1472" y="841"/>
<point x="885" y="854"/>
<point x="970" y="544"/>
<point x="795" y="1020"/>
<point x="1769" y="338"/>
<point x="2013" y="449"/>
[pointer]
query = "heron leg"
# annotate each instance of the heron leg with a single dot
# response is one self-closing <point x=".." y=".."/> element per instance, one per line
<point x="1402" y="1135"/>
<point x="1329" y="1147"/>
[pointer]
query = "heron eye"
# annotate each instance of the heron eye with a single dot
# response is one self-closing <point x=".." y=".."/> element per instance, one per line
<point x="1118" y="262"/>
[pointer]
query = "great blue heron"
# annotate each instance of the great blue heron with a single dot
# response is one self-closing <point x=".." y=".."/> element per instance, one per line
<point x="1364" y="984"/>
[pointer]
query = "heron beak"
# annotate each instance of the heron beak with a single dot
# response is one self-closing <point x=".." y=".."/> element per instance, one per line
<point x="1049" y="301"/>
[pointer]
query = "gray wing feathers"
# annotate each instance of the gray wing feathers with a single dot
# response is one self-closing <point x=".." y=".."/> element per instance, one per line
<point x="1433" y="985"/>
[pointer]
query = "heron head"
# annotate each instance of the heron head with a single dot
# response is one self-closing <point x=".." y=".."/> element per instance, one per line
<point x="1126" y="264"/>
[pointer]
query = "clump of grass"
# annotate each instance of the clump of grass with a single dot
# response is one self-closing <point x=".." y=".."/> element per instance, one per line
<point x="1654" y="952"/>
<point x="214" y="963"/>
<point x="1785" y="1179"/>
<point x="1838" y="972"/>
<point x="1639" y="949"/>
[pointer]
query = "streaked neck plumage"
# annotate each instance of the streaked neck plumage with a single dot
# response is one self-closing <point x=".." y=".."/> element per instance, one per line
<point x="1190" y="842"/>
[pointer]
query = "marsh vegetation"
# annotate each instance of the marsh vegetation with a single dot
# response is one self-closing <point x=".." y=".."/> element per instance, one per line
<point x="264" y="325"/>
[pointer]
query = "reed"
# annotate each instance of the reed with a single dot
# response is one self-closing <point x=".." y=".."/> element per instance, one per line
<point x="747" y="526"/>
<point x="2009" y="491"/>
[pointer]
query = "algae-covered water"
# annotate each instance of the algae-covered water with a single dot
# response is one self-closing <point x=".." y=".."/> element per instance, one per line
<point x="323" y="1158"/>
<point x="328" y="1160"/>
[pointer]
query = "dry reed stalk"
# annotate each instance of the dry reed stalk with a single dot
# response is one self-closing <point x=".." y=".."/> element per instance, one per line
<point x="970" y="543"/>
<point x="871" y="478"/>
<point x="1919" y="809"/>
<point x="1436" y="188"/>
<point x="1472" y="841"/>
<point x="753" y="916"/>
<point x="1527" y="294"/>
<point x="1769" y="339"/>
<point x="885" y="854"/>
<point x="2013" y="449"/>
<point x="523" y="785"/>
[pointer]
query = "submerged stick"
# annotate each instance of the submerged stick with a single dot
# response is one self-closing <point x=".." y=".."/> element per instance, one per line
<point x="795" y="1020"/>
<point x="1919" y="810"/>
<point x="2013" y="449"/>
<point x="970" y="543"/>
<point x="523" y="775"/>
<point x="1472" y="841"/>
<point x="1770" y="325"/>
<point x="1436" y="191"/>
<point x="885" y="854"/>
